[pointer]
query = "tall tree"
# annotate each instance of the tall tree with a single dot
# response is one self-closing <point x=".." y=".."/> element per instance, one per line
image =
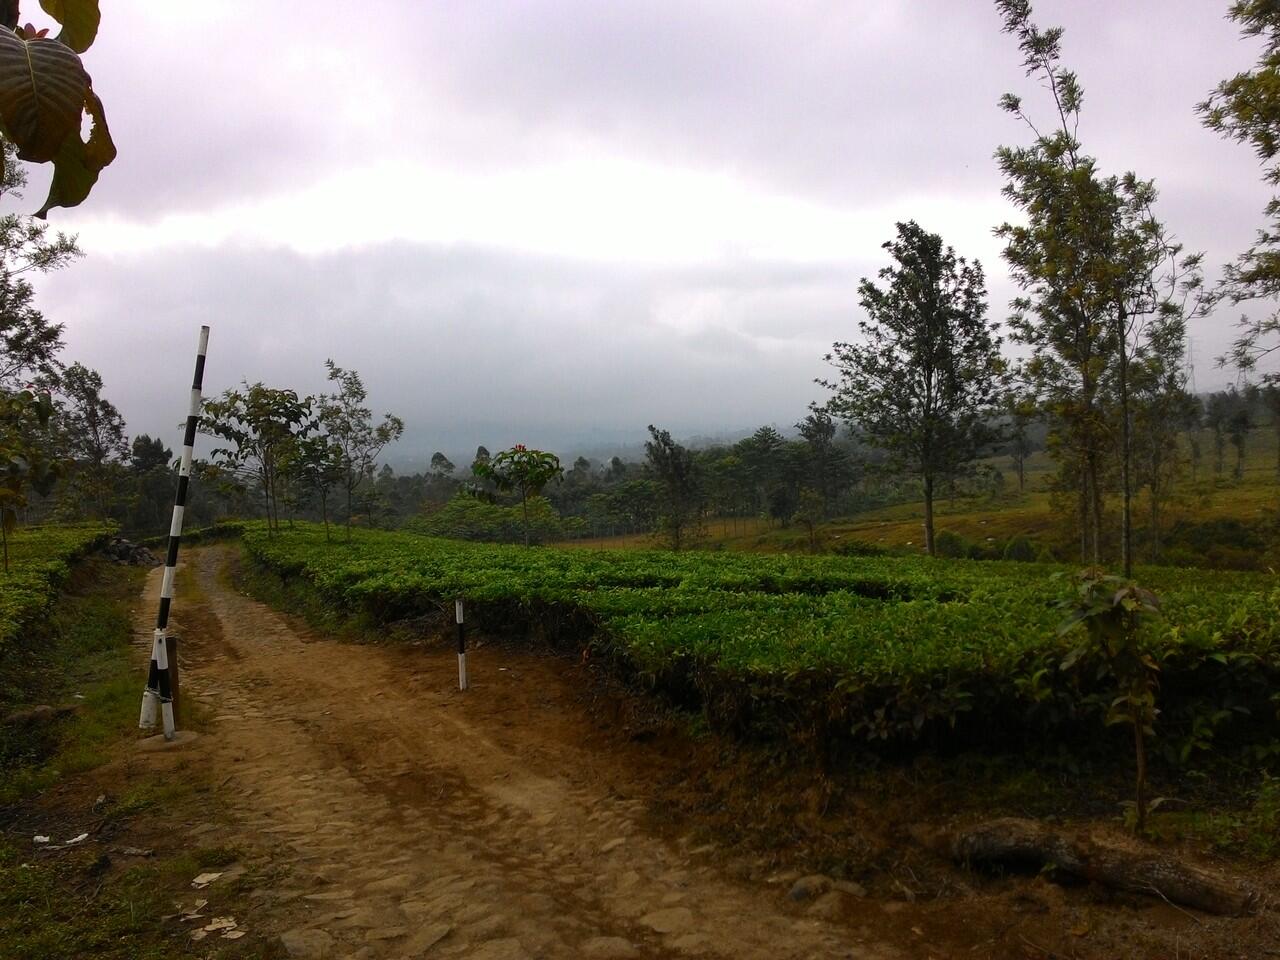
<point x="680" y="487"/>
<point x="94" y="434"/>
<point x="349" y="424"/>
<point x="929" y="372"/>
<point x="1095" y="266"/>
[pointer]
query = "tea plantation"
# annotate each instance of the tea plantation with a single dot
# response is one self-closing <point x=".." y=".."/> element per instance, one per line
<point x="830" y="650"/>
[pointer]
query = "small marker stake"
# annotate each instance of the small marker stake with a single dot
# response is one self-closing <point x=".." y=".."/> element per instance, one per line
<point x="462" y="645"/>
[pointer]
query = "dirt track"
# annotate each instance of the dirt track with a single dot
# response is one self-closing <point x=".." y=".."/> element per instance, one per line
<point x="413" y="820"/>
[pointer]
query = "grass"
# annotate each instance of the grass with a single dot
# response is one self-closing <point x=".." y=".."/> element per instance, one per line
<point x="80" y="902"/>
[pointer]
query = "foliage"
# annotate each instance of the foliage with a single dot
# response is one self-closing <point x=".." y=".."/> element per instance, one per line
<point x="262" y="425"/>
<point x="41" y="561"/>
<point x="679" y="484"/>
<point x="525" y="471"/>
<point x="46" y="95"/>
<point x="1111" y="610"/>
<point x="886" y="650"/>
<point x="24" y="463"/>
<point x="466" y="517"/>
<point x="929" y="372"/>
<point x="348" y="424"/>
<point x="1096" y="268"/>
<point x="1246" y="108"/>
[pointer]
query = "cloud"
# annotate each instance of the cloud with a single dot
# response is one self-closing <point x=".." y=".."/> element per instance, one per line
<point x="543" y="219"/>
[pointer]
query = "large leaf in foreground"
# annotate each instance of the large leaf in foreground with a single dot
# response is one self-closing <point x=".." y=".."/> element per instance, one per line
<point x="79" y="19"/>
<point x="42" y="91"/>
<point x="78" y="163"/>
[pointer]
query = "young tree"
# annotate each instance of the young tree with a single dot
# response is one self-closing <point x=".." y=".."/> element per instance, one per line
<point x="317" y="466"/>
<point x="262" y="424"/>
<point x="930" y="372"/>
<point x="1246" y="108"/>
<point x="679" y="484"/>
<point x="525" y="471"/>
<point x="349" y="424"/>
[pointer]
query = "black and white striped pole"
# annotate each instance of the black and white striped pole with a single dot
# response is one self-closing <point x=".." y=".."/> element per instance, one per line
<point x="462" y="644"/>
<point x="159" y="692"/>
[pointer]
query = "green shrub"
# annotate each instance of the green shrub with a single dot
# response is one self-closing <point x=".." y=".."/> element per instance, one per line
<point x="466" y="517"/>
<point x="951" y="545"/>
<point x="1020" y="550"/>
<point x="867" y="648"/>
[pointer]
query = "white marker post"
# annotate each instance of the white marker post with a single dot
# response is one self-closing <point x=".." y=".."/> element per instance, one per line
<point x="462" y="645"/>
<point x="159" y="692"/>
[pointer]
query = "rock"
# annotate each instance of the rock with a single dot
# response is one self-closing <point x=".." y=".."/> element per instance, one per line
<point x="830" y="906"/>
<point x="426" y="938"/>
<point x="608" y="948"/>
<point x="810" y="887"/>
<point x="691" y="943"/>
<point x="386" y="933"/>
<point x="670" y="920"/>
<point x="307" y="944"/>
<point x="507" y="949"/>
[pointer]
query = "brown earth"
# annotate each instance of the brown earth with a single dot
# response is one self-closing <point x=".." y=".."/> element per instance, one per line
<point x="403" y="818"/>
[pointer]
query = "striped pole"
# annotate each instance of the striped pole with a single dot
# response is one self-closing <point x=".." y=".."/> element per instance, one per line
<point x="462" y="645"/>
<point x="159" y="691"/>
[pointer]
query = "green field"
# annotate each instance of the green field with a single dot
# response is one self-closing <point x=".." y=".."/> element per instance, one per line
<point x="833" y="649"/>
<point x="40" y="559"/>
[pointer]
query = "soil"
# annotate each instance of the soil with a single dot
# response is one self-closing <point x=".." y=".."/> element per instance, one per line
<point x="404" y="818"/>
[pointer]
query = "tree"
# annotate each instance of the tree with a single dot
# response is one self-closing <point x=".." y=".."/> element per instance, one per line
<point x="45" y="126"/>
<point x="349" y="424"/>
<point x="1162" y="408"/>
<point x="262" y="424"/>
<point x="1246" y="108"/>
<point x="679" y="484"/>
<point x="93" y="430"/>
<point x="525" y="471"/>
<point x="148" y="453"/>
<point x="930" y="371"/>
<point x="441" y="467"/>
<point x="830" y="467"/>
<point x="1095" y="266"/>
<point x="317" y="464"/>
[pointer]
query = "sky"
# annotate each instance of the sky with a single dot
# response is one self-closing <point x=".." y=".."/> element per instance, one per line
<point x="557" y="222"/>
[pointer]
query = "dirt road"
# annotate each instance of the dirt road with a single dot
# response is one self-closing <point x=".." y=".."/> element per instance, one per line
<point x="408" y="819"/>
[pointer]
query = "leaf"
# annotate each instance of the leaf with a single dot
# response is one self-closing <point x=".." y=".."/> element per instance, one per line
<point x="79" y="19"/>
<point x="78" y="163"/>
<point x="42" y="91"/>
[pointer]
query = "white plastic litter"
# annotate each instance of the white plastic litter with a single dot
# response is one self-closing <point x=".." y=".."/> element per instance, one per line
<point x="41" y="839"/>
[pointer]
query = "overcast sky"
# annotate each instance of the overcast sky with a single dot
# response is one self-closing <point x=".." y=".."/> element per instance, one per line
<point x="556" y="222"/>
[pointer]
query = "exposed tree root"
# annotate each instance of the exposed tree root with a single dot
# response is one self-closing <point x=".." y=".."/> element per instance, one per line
<point x="1016" y="843"/>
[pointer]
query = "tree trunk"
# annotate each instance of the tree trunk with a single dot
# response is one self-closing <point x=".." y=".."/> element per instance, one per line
<point x="524" y="504"/>
<point x="1140" y="778"/>
<point x="4" y="534"/>
<point x="928" y="513"/>
<point x="324" y="515"/>
<point x="1126" y="454"/>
